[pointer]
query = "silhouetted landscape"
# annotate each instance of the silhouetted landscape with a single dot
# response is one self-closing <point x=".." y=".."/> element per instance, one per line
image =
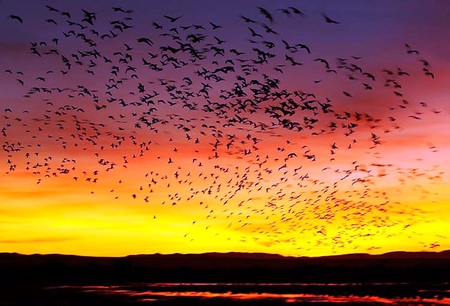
<point x="229" y="267"/>
<point x="405" y="278"/>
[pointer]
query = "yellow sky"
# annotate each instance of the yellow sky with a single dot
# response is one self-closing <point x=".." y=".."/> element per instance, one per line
<point x="115" y="146"/>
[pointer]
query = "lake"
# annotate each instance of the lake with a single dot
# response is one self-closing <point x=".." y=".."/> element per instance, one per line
<point x="258" y="293"/>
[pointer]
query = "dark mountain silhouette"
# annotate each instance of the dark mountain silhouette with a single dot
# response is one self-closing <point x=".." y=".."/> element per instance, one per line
<point x="236" y="267"/>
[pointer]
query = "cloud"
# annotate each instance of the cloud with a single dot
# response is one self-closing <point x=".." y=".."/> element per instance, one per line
<point x="37" y="240"/>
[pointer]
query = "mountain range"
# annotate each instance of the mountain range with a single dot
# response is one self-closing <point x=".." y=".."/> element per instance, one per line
<point x="394" y="266"/>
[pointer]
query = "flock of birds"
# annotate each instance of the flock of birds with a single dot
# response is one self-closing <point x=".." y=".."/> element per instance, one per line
<point x="217" y="124"/>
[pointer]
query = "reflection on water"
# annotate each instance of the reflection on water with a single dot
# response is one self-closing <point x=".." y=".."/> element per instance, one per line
<point x="369" y="293"/>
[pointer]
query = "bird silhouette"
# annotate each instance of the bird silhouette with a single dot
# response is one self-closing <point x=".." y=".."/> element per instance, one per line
<point x="173" y="19"/>
<point x="328" y="19"/>
<point x="18" y="18"/>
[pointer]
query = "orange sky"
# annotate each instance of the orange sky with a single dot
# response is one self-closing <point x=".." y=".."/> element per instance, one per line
<point x="84" y="175"/>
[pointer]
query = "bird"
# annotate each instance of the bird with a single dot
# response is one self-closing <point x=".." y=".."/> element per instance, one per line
<point x="268" y="29"/>
<point x="327" y="65"/>
<point x="247" y="20"/>
<point x="297" y="11"/>
<point x="18" y="18"/>
<point x="285" y="11"/>
<point x="173" y="19"/>
<point x="52" y="9"/>
<point x="51" y="21"/>
<point x="215" y="26"/>
<point x="254" y="33"/>
<point x="304" y="47"/>
<point x="328" y="19"/>
<point x="266" y="13"/>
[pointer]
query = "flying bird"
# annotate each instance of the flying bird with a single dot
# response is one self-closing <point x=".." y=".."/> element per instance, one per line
<point x="16" y="18"/>
<point x="328" y="19"/>
<point x="52" y="9"/>
<point x="247" y="20"/>
<point x="297" y="11"/>
<point x="266" y="13"/>
<point x="173" y="19"/>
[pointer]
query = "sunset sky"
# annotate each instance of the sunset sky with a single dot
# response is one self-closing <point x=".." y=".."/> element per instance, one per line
<point x="247" y="126"/>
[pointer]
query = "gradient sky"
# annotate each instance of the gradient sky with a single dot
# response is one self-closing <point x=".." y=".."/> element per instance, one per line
<point x="213" y="171"/>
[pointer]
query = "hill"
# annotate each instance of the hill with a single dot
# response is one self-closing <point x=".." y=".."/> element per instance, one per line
<point x="225" y="267"/>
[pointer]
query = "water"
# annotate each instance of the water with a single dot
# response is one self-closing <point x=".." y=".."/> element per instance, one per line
<point x="270" y="293"/>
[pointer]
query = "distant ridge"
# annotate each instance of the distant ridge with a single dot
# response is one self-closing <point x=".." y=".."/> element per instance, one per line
<point x="233" y="266"/>
<point x="388" y="255"/>
<point x="4" y="256"/>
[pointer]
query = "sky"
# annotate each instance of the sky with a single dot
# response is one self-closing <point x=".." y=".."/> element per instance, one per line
<point x="292" y="127"/>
